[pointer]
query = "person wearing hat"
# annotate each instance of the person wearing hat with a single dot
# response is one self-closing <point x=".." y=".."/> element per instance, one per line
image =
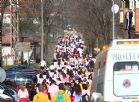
<point x="40" y="96"/>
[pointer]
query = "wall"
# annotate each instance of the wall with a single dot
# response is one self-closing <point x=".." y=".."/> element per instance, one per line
<point x="137" y="21"/>
<point x="8" y="55"/>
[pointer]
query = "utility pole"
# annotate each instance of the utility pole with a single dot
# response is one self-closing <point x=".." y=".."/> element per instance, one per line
<point x="1" y="40"/>
<point x="113" y="21"/>
<point x="14" y="26"/>
<point x="115" y="9"/>
<point x="42" y="30"/>
<point x="17" y="16"/>
<point x="13" y="4"/>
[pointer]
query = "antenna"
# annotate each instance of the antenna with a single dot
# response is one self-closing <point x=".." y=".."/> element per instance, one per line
<point x="2" y="74"/>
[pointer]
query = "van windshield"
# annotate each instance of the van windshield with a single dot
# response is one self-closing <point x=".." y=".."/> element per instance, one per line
<point x="125" y="75"/>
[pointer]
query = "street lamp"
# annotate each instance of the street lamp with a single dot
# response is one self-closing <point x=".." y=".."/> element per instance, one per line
<point x="115" y="9"/>
<point x="113" y="21"/>
<point x="42" y="30"/>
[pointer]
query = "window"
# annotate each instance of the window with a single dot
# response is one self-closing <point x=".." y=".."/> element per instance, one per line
<point x="125" y="75"/>
<point x="126" y="66"/>
<point x="126" y="3"/>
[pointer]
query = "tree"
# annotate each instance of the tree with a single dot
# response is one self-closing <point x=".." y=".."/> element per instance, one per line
<point x="93" y="18"/>
<point x="30" y="10"/>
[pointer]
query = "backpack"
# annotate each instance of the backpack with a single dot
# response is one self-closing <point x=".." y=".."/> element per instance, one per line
<point x="60" y="97"/>
<point x="85" y="98"/>
<point x="77" y="98"/>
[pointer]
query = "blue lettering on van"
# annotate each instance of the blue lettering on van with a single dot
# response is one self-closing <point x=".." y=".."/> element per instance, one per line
<point x="125" y="56"/>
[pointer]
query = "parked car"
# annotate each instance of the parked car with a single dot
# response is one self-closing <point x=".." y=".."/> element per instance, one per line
<point x="21" y="74"/>
<point x="20" y="68"/>
<point x="18" y="79"/>
<point x="21" y="78"/>
<point x="2" y="90"/>
<point x="4" y="97"/>
<point x="11" y="91"/>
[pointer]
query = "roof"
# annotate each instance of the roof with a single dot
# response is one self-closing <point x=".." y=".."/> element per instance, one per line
<point x="7" y="39"/>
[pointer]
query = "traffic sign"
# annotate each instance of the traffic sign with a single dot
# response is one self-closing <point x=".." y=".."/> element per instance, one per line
<point x="115" y="8"/>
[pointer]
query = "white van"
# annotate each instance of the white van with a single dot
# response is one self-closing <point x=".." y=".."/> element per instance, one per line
<point x="116" y="72"/>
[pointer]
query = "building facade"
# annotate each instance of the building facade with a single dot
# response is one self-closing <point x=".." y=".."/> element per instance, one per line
<point x="127" y="6"/>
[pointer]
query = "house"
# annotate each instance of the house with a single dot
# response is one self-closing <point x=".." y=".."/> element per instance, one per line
<point x="7" y="51"/>
<point x="21" y="52"/>
<point x="15" y="48"/>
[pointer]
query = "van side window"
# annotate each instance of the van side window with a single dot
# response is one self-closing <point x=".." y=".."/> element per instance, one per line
<point x="126" y="66"/>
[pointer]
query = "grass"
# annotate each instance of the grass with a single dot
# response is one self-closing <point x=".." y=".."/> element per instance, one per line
<point x="7" y="67"/>
<point x="35" y="65"/>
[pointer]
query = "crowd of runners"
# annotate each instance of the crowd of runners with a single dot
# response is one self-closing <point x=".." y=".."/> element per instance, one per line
<point x="69" y="77"/>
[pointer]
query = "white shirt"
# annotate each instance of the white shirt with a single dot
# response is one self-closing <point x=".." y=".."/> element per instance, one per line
<point x="23" y="94"/>
<point x="85" y="92"/>
<point x="43" y="63"/>
<point x="40" y="80"/>
<point x="52" y="67"/>
<point x="53" y="89"/>
<point x="80" y="51"/>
